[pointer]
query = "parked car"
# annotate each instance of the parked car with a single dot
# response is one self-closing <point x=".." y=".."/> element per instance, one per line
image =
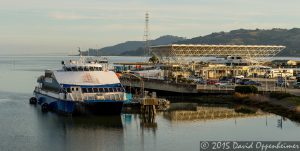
<point x="243" y="81"/>
<point x="225" y="85"/>
<point x="198" y="80"/>
<point x="282" y="84"/>
<point x="211" y="82"/>
<point x="239" y="76"/>
<point x="252" y="83"/>
<point x="225" y="79"/>
<point x="291" y="78"/>
<point x="296" y="85"/>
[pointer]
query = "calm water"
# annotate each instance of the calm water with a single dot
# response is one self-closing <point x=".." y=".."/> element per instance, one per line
<point x="25" y="127"/>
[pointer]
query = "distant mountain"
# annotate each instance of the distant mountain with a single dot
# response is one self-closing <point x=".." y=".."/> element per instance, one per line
<point x="132" y="48"/>
<point x="286" y="37"/>
<point x="289" y="38"/>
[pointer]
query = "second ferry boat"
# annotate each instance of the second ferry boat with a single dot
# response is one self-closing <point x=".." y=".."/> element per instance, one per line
<point x="83" y="86"/>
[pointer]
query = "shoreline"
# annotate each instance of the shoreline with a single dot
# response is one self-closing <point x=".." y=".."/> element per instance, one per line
<point x="288" y="107"/>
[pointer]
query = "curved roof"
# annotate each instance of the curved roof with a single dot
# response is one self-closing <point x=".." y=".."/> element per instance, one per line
<point x="86" y="78"/>
<point x="182" y="50"/>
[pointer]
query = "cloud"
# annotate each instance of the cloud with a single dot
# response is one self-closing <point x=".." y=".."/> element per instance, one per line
<point x="71" y="16"/>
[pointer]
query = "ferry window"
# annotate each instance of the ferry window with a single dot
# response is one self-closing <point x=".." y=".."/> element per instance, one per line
<point x="86" y="69"/>
<point x="80" y="68"/>
<point x="100" y="68"/>
<point x="106" y="89"/>
<point x="111" y="90"/>
<point x="115" y="90"/>
<point x="84" y="90"/>
<point x="101" y="90"/>
<point x="95" y="89"/>
<point x="90" y="90"/>
<point x="68" y="90"/>
<point x="77" y="89"/>
<point x="74" y="69"/>
<point x="68" y="69"/>
<point x="91" y="68"/>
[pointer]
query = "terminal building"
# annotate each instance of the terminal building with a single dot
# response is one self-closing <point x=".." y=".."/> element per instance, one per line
<point x="229" y="60"/>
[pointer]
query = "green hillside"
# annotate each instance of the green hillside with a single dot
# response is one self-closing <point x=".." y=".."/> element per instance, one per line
<point x="286" y="37"/>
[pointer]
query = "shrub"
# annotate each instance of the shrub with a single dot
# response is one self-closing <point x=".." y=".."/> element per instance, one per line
<point x="245" y="110"/>
<point x="280" y="95"/>
<point x="246" y="89"/>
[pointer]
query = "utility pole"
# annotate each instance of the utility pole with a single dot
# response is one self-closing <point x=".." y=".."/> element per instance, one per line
<point x="146" y="35"/>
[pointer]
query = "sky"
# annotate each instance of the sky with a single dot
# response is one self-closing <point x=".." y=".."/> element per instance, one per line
<point x="60" y="26"/>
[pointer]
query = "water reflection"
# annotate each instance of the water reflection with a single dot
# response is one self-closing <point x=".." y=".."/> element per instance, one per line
<point x="209" y="113"/>
<point x="93" y="122"/>
<point x="148" y="121"/>
<point x="79" y="133"/>
<point x="94" y="133"/>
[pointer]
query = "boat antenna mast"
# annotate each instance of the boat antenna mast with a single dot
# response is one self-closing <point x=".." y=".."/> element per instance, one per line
<point x="81" y="58"/>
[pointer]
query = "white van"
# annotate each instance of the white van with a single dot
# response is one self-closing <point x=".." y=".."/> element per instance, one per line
<point x="274" y="73"/>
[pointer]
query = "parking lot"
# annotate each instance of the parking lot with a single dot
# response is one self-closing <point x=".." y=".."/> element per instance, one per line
<point x="266" y="85"/>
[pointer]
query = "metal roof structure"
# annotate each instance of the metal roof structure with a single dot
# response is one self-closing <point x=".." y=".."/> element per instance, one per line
<point x="246" y="51"/>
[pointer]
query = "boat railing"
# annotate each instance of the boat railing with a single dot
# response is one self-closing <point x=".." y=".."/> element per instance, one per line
<point x="78" y="96"/>
<point x="37" y="89"/>
<point x="71" y="97"/>
<point x="81" y="97"/>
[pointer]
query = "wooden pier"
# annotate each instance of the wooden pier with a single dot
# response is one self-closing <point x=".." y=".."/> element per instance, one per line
<point x="148" y="105"/>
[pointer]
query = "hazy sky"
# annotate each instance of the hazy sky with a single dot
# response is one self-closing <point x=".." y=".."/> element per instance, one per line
<point x="60" y="26"/>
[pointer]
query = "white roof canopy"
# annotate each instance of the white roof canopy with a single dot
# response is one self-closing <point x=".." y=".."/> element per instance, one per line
<point x="250" y="51"/>
<point x="86" y="78"/>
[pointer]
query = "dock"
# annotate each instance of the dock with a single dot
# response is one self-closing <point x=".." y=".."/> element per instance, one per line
<point x="163" y="87"/>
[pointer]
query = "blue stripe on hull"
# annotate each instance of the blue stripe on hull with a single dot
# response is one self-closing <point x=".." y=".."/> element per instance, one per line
<point x="86" y="107"/>
<point x="55" y="104"/>
<point x="93" y="86"/>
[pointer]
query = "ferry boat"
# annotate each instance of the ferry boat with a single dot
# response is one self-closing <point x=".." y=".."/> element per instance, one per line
<point x="83" y="86"/>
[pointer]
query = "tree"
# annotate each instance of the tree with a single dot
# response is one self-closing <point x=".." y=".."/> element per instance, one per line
<point x="154" y="59"/>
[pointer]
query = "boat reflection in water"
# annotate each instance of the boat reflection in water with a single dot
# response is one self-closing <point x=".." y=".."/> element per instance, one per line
<point x="210" y="113"/>
<point x="94" y="133"/>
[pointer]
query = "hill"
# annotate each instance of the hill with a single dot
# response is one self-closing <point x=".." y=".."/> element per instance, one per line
<point x="286" y="37"/>
<point x="132" y="47"/>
